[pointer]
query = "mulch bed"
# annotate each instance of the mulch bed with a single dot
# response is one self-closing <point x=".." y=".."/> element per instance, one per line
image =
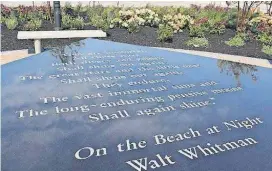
<point x="147" y="36"/>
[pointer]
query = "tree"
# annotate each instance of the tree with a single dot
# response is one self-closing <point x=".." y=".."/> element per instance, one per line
<point x="245" y="9"/>
<point x="244" y="13"/>
<point x="269" y="7"/>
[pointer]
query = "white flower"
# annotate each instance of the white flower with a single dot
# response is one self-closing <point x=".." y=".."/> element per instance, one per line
<point x="111" y="25"/>
<point x="125" y="24"/>
<point x="179" y="15"/>
<point x="141" y="21"/>
<point x="130" y="20"/>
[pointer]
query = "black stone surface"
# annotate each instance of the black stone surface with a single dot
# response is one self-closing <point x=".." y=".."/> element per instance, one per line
<point x="44" y="142"/>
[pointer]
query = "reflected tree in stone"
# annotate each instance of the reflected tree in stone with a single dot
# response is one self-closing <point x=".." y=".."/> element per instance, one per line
<point x="67" y="54"/>
<point x="237" y="69"/>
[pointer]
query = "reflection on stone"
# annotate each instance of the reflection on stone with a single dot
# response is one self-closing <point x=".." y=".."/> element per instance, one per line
<point x="72" y="106"/>
<point x="67" y="54"/>
<point x="237" y="69"/>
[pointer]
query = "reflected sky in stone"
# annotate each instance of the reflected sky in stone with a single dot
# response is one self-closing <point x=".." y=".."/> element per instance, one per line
<point x="50" y="142"/>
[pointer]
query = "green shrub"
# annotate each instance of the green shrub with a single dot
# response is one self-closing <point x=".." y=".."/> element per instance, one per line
<point x="78" y="7"/>
<point x="161" y="11"/>
<point x="66" y="21"/>
<point x="183" y="10"/>
<point x="265" y="38"/>
<point x="11" y="23"/>
<point x="197" y="42"/>
<point x="69" y="22"/>
<point x="196" y="31"/>
<point x="77" y="23"/>
<point x="67" y="6"/>
<point x="109" y="13"/>
<point x="267" y="49"/>
<point x="100" y="23"/>
<point x="213" y="18"/>
<point x="244" y="36"/>
<point x="33" y="24"/>
<point x="217" y="28"/>
<point x="165" y="33"/>
<point x="93" y="11"/>
<point x="236" y="41"/>
<point x="231" y="21"/>
<point x="2" y="19"/>
<point x="133" y="27"/>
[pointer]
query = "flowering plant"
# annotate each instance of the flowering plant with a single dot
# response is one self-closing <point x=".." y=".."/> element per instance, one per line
<point x="261" y="23"/>
<point x="140" y="17"/>
<point x="5" y="11"/>
<point x="178" y="21"/>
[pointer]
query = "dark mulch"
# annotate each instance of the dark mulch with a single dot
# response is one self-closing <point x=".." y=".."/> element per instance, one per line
<point x="9" y="40"/>
<point x="147" y="36"/>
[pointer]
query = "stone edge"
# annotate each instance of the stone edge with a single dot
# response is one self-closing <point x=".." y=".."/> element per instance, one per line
<point x="233" y="58"/>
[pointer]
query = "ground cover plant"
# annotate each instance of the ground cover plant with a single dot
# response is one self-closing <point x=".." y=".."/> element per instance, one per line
<point x="267" y="49"/>
<point x="196" y="23"/>
<point x="237" y="41"/>
<point x="11" y="23"/>
<point x="197" y="42"/>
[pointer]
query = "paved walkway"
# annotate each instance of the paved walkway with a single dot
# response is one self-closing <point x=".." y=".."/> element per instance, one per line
<point x="10" y="56"/>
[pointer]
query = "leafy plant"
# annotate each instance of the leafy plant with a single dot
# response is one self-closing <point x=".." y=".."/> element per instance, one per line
<point x="93" y="11"/>
<point x="260" y="23"/>
<point x="67" y="5"/>
<point x="196" y="30"/>
<point x="68" y="9"/>
<point x="11" y="23"/>
<point x="245" y="10"/>
<point x="267" y="49"/>
<point x="69" y="22"/>
<point x="216" y="16"/>
<point x="133" y="27"/>
<point x="177" y="22"/>
<point x="78" y="7"/>
<point x="43" y="12"/>
<point x="5" y="11"/>
<point x="2" y="19"/>
<point x="165" y="33"/>
<point x="265" y="38"/>
<point x="77" y="23"/>
<point x="218" y="28"/>
<point x="32" y="25"/>
<point x="109" y="13"/>
<point x="166" y="10"/>
<point x="199" y="27"/>
<point x="231" y="21"/>
<point x="100" y="23"/>
<point x="183" y="10"/>
<point x="236" y="41"/>
<point x="197" y="42"/>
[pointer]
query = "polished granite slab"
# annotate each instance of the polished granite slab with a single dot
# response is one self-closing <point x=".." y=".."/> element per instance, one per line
<point x="105" y="106"/>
